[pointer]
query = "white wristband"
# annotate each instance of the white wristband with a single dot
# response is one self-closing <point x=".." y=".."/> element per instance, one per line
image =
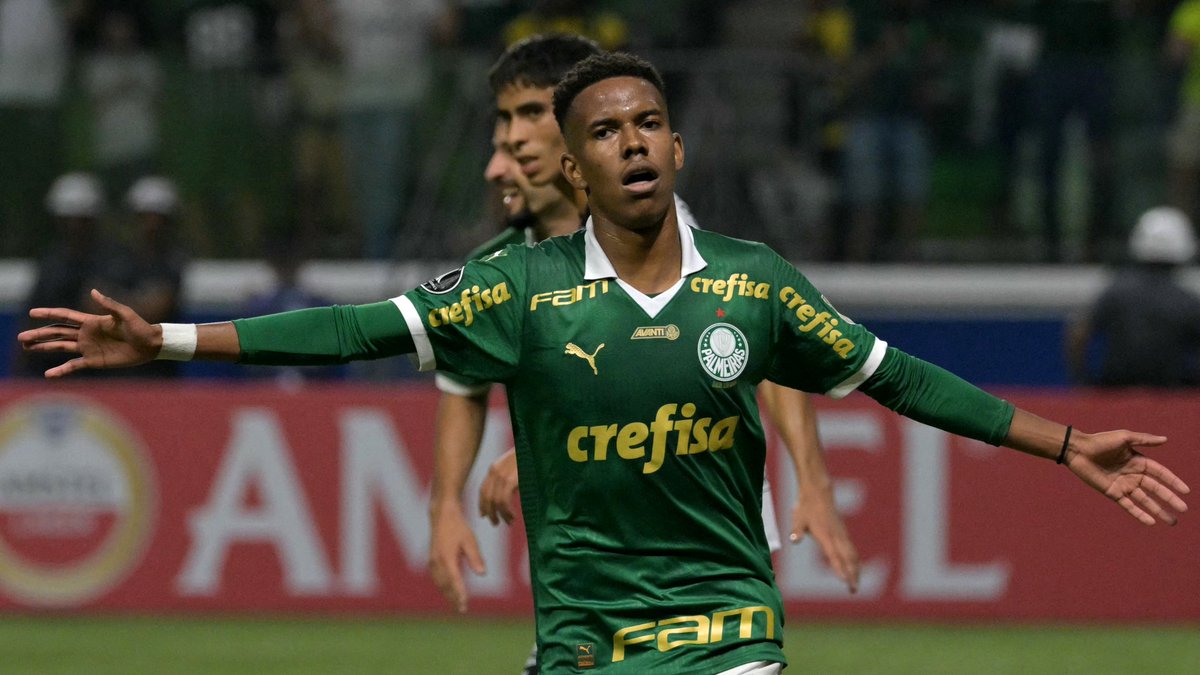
<point x="178" y="342"/>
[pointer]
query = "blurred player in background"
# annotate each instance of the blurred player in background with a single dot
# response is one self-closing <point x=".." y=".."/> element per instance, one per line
<point x="647" y="551"/>
<point x="1148" y="321"/>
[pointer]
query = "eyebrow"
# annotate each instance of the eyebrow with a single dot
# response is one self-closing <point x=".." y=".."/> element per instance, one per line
<point x="531" y="107"/>
<point x="612" y="121"/>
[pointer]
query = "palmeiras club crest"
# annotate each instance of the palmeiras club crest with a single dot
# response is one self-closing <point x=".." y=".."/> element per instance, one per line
<point x="723" y="351"/>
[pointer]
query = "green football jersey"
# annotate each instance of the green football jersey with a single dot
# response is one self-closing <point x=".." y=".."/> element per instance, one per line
<point x="510" y="235"/>
<point x="457" y="384"/>
<point x="638" y="436"/>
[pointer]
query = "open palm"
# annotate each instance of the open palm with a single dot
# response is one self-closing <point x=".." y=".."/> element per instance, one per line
<point x="117" y="339"/>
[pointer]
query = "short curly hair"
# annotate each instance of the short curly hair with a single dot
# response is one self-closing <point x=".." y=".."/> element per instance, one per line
<point x="600" y="67"/>
<point x="540" y="61"/>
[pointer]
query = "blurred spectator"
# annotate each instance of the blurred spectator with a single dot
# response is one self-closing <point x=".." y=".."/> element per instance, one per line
<point x="1183" y="147"/>
<point x="1003" y="87"/>
<point x="895" y="89"/>
<point x="386" y="48"/>
<point x="34" y="61"/>
<point x="1148" y="323"/>
<point x="1075" y="77"/>
<point x="77" y="261"/>
<point x="288" y="294"/>
<point x="826" y="40"/>
<point x="150" y="272"/>
<point x="124" y="84"/>
<point x="573" y="17"/>
<point x="314" y="61"/>
<point x="233" y="114"/>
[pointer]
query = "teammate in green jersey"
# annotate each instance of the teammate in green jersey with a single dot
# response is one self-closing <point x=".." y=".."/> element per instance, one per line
<point x="630" y="352"/>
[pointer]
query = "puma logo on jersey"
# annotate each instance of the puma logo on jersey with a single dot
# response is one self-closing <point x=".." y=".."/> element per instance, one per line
<point x="585" y="655"/>
<point x="576" y="350"/>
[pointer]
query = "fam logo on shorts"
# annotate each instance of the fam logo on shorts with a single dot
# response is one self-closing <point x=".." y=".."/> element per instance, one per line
<point x="76" y="501"/>
<point x="723" y="351"/>
<point x="444" y="283"/>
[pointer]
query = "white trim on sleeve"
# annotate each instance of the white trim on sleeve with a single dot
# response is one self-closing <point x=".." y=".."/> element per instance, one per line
<point x="449" y="385"/>
<point x="424" y="356"/>
<point x="878" y="351"/>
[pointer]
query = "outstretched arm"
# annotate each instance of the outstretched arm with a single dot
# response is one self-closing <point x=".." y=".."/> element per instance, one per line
<point x="121" y="338"/>
<point x="458" y="431"/>
<point x="1108" y="461"/>
<point x="792" y="414"/>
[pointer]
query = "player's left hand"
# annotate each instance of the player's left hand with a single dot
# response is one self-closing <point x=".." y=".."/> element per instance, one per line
<point x="815" y="513"/>
<point x="497" y="495"/>
<point x="1143" y="487"/>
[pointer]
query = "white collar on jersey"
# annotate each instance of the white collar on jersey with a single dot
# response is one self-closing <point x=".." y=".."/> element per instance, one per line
<point x="598" y="266"/>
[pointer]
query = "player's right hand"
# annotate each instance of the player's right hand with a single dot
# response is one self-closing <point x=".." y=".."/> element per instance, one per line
<point x="498" y="492"/>
<point x="815" y="512"/>
<point x="117" y="339"/>
<point x="451" y="543"/>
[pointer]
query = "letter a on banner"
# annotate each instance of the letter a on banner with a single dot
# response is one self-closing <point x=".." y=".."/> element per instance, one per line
<point x="257" y="458"/>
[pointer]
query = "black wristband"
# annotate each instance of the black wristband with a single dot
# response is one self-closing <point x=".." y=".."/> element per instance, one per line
<point x="1062" y="454"/>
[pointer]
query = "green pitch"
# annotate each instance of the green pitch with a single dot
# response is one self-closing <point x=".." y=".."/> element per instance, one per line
<point x="270" y="646"/>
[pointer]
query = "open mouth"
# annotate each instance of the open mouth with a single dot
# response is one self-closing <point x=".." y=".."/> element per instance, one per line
<point x="509" y="194"/>
<point x="640" y="180"/>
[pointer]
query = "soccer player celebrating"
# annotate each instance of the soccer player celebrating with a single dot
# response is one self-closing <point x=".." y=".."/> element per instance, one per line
<point x="630" y="351"/>
<point x="527" y="137"/>
<point x="542" y="203"/>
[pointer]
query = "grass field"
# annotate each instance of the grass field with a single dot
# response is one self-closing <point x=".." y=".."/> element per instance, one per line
<point x="100" y="646"/>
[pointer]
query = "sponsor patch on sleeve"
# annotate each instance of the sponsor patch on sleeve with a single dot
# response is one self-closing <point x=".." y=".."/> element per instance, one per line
<point x="444" y="283"/>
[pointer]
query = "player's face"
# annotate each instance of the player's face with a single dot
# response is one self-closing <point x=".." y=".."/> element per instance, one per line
<point x="623" y="152"/>
<point x="502" y="172"/>
<point x="531" y="134"/>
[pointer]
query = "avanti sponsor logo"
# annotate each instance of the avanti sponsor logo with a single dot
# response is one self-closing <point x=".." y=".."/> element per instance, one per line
<point x="76" y="501"/>
<point x="668" y="332"/>
<point x="723" y="351"/>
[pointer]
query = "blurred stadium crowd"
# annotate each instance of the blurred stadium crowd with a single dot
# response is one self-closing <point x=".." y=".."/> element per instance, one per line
<point x="880" y="130"/>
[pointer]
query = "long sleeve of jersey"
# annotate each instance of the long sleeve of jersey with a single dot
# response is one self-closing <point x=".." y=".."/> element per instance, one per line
<point x="324" y="335"/>
<point x="931" y="395"/>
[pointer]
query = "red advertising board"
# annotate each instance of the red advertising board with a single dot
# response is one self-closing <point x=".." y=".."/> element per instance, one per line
<point x="127" y="496"/>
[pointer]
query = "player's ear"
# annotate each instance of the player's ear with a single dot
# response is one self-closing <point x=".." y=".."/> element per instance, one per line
<point x="678" y="147"/>
<point x="570" y="169"/>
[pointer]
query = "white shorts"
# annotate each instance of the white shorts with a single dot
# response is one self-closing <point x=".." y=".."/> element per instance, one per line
<point x="770" y="522"/>
<point x="756" y="668"/>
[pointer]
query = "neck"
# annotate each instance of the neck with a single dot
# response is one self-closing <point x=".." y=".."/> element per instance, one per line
<point x="650" y="259"/>
<point x="559" y="218"/>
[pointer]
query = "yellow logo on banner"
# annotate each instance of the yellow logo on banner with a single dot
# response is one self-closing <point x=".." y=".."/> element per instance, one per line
<point x="75" y="501"/>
